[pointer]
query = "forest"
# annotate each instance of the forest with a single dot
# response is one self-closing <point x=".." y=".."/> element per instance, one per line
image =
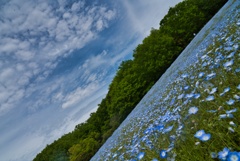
<point x="133" y="79"/>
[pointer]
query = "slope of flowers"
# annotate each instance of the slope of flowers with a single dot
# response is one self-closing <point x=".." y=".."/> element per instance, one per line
<point x="192" y="113"/>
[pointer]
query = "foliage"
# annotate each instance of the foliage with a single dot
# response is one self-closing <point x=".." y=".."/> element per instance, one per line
<point x="133" y="79"/>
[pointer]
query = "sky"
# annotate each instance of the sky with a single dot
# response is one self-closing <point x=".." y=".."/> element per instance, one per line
<point x="57" y="59"/>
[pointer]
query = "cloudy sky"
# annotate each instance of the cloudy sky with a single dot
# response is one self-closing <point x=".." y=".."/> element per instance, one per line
<point x="57" y="59"/>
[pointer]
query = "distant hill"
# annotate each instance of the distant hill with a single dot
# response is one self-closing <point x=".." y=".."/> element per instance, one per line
<point x="133" y="80"/>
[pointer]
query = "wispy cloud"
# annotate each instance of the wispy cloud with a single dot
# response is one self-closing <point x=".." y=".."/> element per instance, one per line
<point x="143" y="15"/>
<point x="34" y="35"/>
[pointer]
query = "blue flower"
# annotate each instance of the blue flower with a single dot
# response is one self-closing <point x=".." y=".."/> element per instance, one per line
<point x="186" y="87"/>
<point x="168" y="129"/>
<point x="232" y="123"/>
<point x="184" y="75"/>
<point x="180" y="96"/>
<point x="237" y="70"/>
<point x="189" y="95"/>
<point x="237" y="97"/>
<point x="238" y="87"/>
<point x="223" y="116"/>
<point x="223" y="154"/>
<point x="231" y="111"/>
<point x="233" y="156"/>
<point x="213" y="90"/>
<point x="197" y="95"/>
<point x="226" y="89"/>
<point x="213" y="155"/>
<point x="230" y="102"/>
<point x="199" y="134"/>
<point x="231" y="129"/>
<point x="163" y="154"/>
<point x="201" y="74"/>
<point x="193" y="110"/>
<point x="210" y="98"/>
<point x="229" y="63"/>
<point x="205" y="137"/>
<point x="210" y="76"/>
<point x="212" y="111"/>
<point x="229" y="115"/>
<point x="140" y="155"/>
<point x="154" y="159"/>
<point x="231" y="55"/>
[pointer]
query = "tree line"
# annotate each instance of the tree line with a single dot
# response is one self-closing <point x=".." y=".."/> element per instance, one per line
<point x="133" y="79"/>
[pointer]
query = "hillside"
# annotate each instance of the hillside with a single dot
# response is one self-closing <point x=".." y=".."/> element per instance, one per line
<point x="193" y="111"/>
<point x="133" y="80"/>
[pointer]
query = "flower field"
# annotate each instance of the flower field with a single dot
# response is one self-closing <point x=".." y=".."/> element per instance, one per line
<point x="193" y="111"/>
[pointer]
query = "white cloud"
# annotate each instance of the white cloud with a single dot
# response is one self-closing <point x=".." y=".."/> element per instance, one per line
<point x="79" y="95"/>
<point x="34" y="35"/>
<point x="150" y="13"/>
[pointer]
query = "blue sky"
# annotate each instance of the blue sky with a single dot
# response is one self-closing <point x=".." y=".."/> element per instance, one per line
<point x="57" y="59"/>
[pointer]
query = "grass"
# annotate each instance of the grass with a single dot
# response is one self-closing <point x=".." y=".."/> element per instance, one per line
<point x="212" y="87"/>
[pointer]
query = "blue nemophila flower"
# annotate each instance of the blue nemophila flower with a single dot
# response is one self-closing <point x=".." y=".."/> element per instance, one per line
<point x="163" y="154"/>
<point x="186" y="87"/>
<point x="189" y="95"/>
<point x="237" y="97"/>
<point x="180" y="96"/>
<point x="228" y="48"/>
<point x="223" y="116"/>
<point x="201" y="74"/>
<point x="238" y="87"/>
<point x="222" y="155"/>
<point x="229" y="115"/>
<point x="210" y="76"/>
<point x="172" y="102"/>
<point x="172" y="137"/>
<point x="231" y="111"/>
<point x="236" y="45"/>
<point x="197" y="84"/>
<point x="154" y="159"/>
<point x="140" y="155"/>
<point x="159" y="127"/>
<point x="210" y="98"/>
<point x="228" y="64"/>
<point x="233" y="156"/>
<point x="184" y="75"/>
<point x="232" y="123"/>
<point x="199" y="134"/>
<point x="197" y="95"/>
<point x="193" y="110"/>
<point x="168" y="129"/>
<point x="212" y="111"/>
<point x="205" y="137"/>
<point x="213" y="90"/>
<point x="231" y="55"/>
<point x="226" y="89"/>
<point x="204" y="57"/>
<point x="237" y="70"/>
<point x="230" y="102"/>
<point x="231" y="129"/>
<point x="213" y="155"/>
